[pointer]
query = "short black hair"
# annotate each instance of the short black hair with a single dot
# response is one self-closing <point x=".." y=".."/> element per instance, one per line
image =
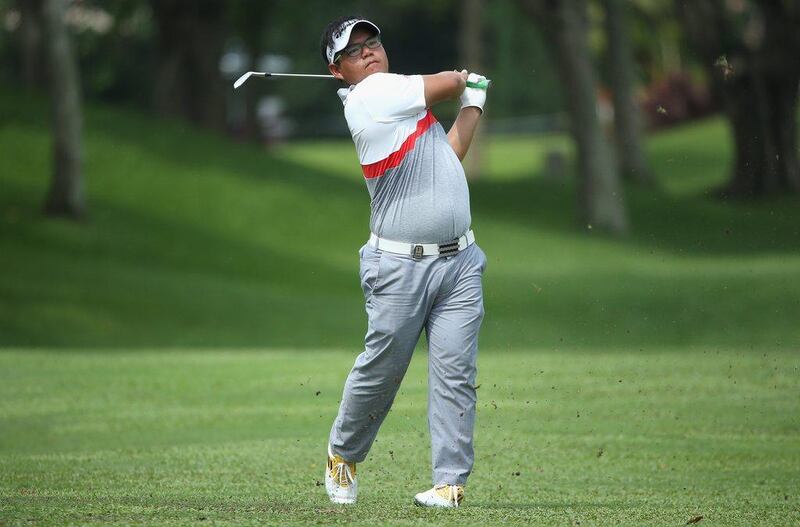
<point x="331" y="31"/>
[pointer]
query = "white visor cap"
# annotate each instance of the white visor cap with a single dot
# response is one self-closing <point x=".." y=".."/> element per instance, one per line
<point x="342" y="36"/>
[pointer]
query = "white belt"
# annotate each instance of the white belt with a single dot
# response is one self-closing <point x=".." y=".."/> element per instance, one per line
<point x="418" y="250"/>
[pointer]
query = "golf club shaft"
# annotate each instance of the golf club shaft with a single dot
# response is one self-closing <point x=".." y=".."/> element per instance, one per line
<point x="482" y="85"/>
<point x="265" y="74"/>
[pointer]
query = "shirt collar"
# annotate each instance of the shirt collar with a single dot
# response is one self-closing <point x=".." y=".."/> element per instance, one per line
<point x="343" y="93"/>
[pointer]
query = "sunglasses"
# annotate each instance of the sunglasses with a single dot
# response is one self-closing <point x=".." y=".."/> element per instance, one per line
<point x="354" y="50"/>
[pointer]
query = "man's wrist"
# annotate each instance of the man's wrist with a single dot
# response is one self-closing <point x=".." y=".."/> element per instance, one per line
<point x="462" y="82"/>
<point x="477" y="109"/>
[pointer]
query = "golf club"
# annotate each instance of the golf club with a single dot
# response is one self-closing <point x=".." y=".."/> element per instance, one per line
<point x="483" y="85"/>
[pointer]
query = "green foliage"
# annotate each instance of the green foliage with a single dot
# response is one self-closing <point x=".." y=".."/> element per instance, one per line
<point x="118" y="65"/>
<point x="421" y="37"/>
<point x="238" y="438"/>
<point x="9" y="57"/>
<point x="658" y="39"/>
<point x="520" y="65"/>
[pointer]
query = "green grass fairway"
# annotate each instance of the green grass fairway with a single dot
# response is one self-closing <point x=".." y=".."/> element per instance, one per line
<point x="177" y="358"/>
<point x="238" y="437"/>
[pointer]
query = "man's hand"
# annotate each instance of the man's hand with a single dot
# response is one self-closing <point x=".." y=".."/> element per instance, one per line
<point x="473" y="96"/>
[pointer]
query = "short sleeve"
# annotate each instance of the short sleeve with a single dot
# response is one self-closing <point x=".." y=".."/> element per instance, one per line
<point x="389" y="97"/>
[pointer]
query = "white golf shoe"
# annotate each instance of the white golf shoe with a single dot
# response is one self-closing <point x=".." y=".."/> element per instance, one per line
<point x="340" y="479"/>
<point x="441" y="496"/>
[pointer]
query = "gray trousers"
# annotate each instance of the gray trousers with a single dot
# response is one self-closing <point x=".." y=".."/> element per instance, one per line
<point x="444" y="296"/>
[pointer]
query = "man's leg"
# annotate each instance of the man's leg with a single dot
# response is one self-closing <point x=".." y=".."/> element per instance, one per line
<point x="395" y="290"/>
<point x="452" y="330"/>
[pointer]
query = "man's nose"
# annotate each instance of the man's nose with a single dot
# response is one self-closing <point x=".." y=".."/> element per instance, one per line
<point x="365" y="51"/>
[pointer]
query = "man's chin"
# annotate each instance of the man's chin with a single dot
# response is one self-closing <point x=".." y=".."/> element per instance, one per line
<point x="369" y="70"/>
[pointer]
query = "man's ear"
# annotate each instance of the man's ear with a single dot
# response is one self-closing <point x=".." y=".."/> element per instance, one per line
<point x="334" y="69"/>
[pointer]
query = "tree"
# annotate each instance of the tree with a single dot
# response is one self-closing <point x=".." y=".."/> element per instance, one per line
<point x="188" y="82"/>
<point x="750" y="50"/>
<point x="251" y="18"/>
<point x="564" y="22"/>
<point x="30" y="30"/>
<point x="627" y="121"/>
<point x="66" y="195"/>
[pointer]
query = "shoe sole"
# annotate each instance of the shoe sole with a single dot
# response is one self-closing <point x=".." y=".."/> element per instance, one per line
<point x="342" y="501"/>
<point x="420" y="504"/>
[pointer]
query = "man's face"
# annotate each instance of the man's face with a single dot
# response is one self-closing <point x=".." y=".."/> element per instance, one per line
<point x="353" y="70"/>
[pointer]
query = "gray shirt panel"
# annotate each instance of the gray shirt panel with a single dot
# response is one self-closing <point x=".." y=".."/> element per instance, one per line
<point x="425" y="199"/>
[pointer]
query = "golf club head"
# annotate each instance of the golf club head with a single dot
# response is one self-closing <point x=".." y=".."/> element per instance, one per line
<point x="241" y="80"/>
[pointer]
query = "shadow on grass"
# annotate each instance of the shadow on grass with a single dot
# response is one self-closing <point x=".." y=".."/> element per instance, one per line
<point x="133" y="279"/>
<point x="152" y="279"/>
<point x="699" y="225"/>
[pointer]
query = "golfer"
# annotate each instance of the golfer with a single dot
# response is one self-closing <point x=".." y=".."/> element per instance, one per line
<point x="421" y="268"/>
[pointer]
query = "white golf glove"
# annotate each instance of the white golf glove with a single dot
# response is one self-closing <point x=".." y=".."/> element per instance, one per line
<point x="474" y="96"/>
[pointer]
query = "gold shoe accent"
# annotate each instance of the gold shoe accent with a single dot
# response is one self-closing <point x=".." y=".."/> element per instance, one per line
<point x="452" y="493"/>
<point x="341" y="471"/>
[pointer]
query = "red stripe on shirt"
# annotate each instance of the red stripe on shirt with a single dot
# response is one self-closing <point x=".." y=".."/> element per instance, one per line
<point x="379" y="168"/>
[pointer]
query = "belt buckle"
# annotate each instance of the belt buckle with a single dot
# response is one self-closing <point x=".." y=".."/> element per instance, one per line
<point x="417" y="251"/>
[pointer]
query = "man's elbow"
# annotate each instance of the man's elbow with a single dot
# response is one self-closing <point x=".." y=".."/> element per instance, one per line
<point x="459" y="151"/>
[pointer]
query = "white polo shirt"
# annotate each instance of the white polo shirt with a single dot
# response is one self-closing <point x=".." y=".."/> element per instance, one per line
<point x="416" y="182"/>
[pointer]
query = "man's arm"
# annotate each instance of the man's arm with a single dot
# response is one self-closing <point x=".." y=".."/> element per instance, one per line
<point x="460" y="134"/>
<point x="472" y="101"/>
<point x="444" y="86"/>
<point x="448" y="85"/>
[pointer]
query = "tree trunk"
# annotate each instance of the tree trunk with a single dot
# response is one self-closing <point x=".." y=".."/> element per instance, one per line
<point x="30" y="30"/>
<point x="471" y="44"/>
<point x="762" y="112"/>
<point x="188" y="82"/>
<point x="66" y="194"/>
<point x="751" y="58"/>
<point x="600" y="194"/>
<point x="627" y="121"/>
